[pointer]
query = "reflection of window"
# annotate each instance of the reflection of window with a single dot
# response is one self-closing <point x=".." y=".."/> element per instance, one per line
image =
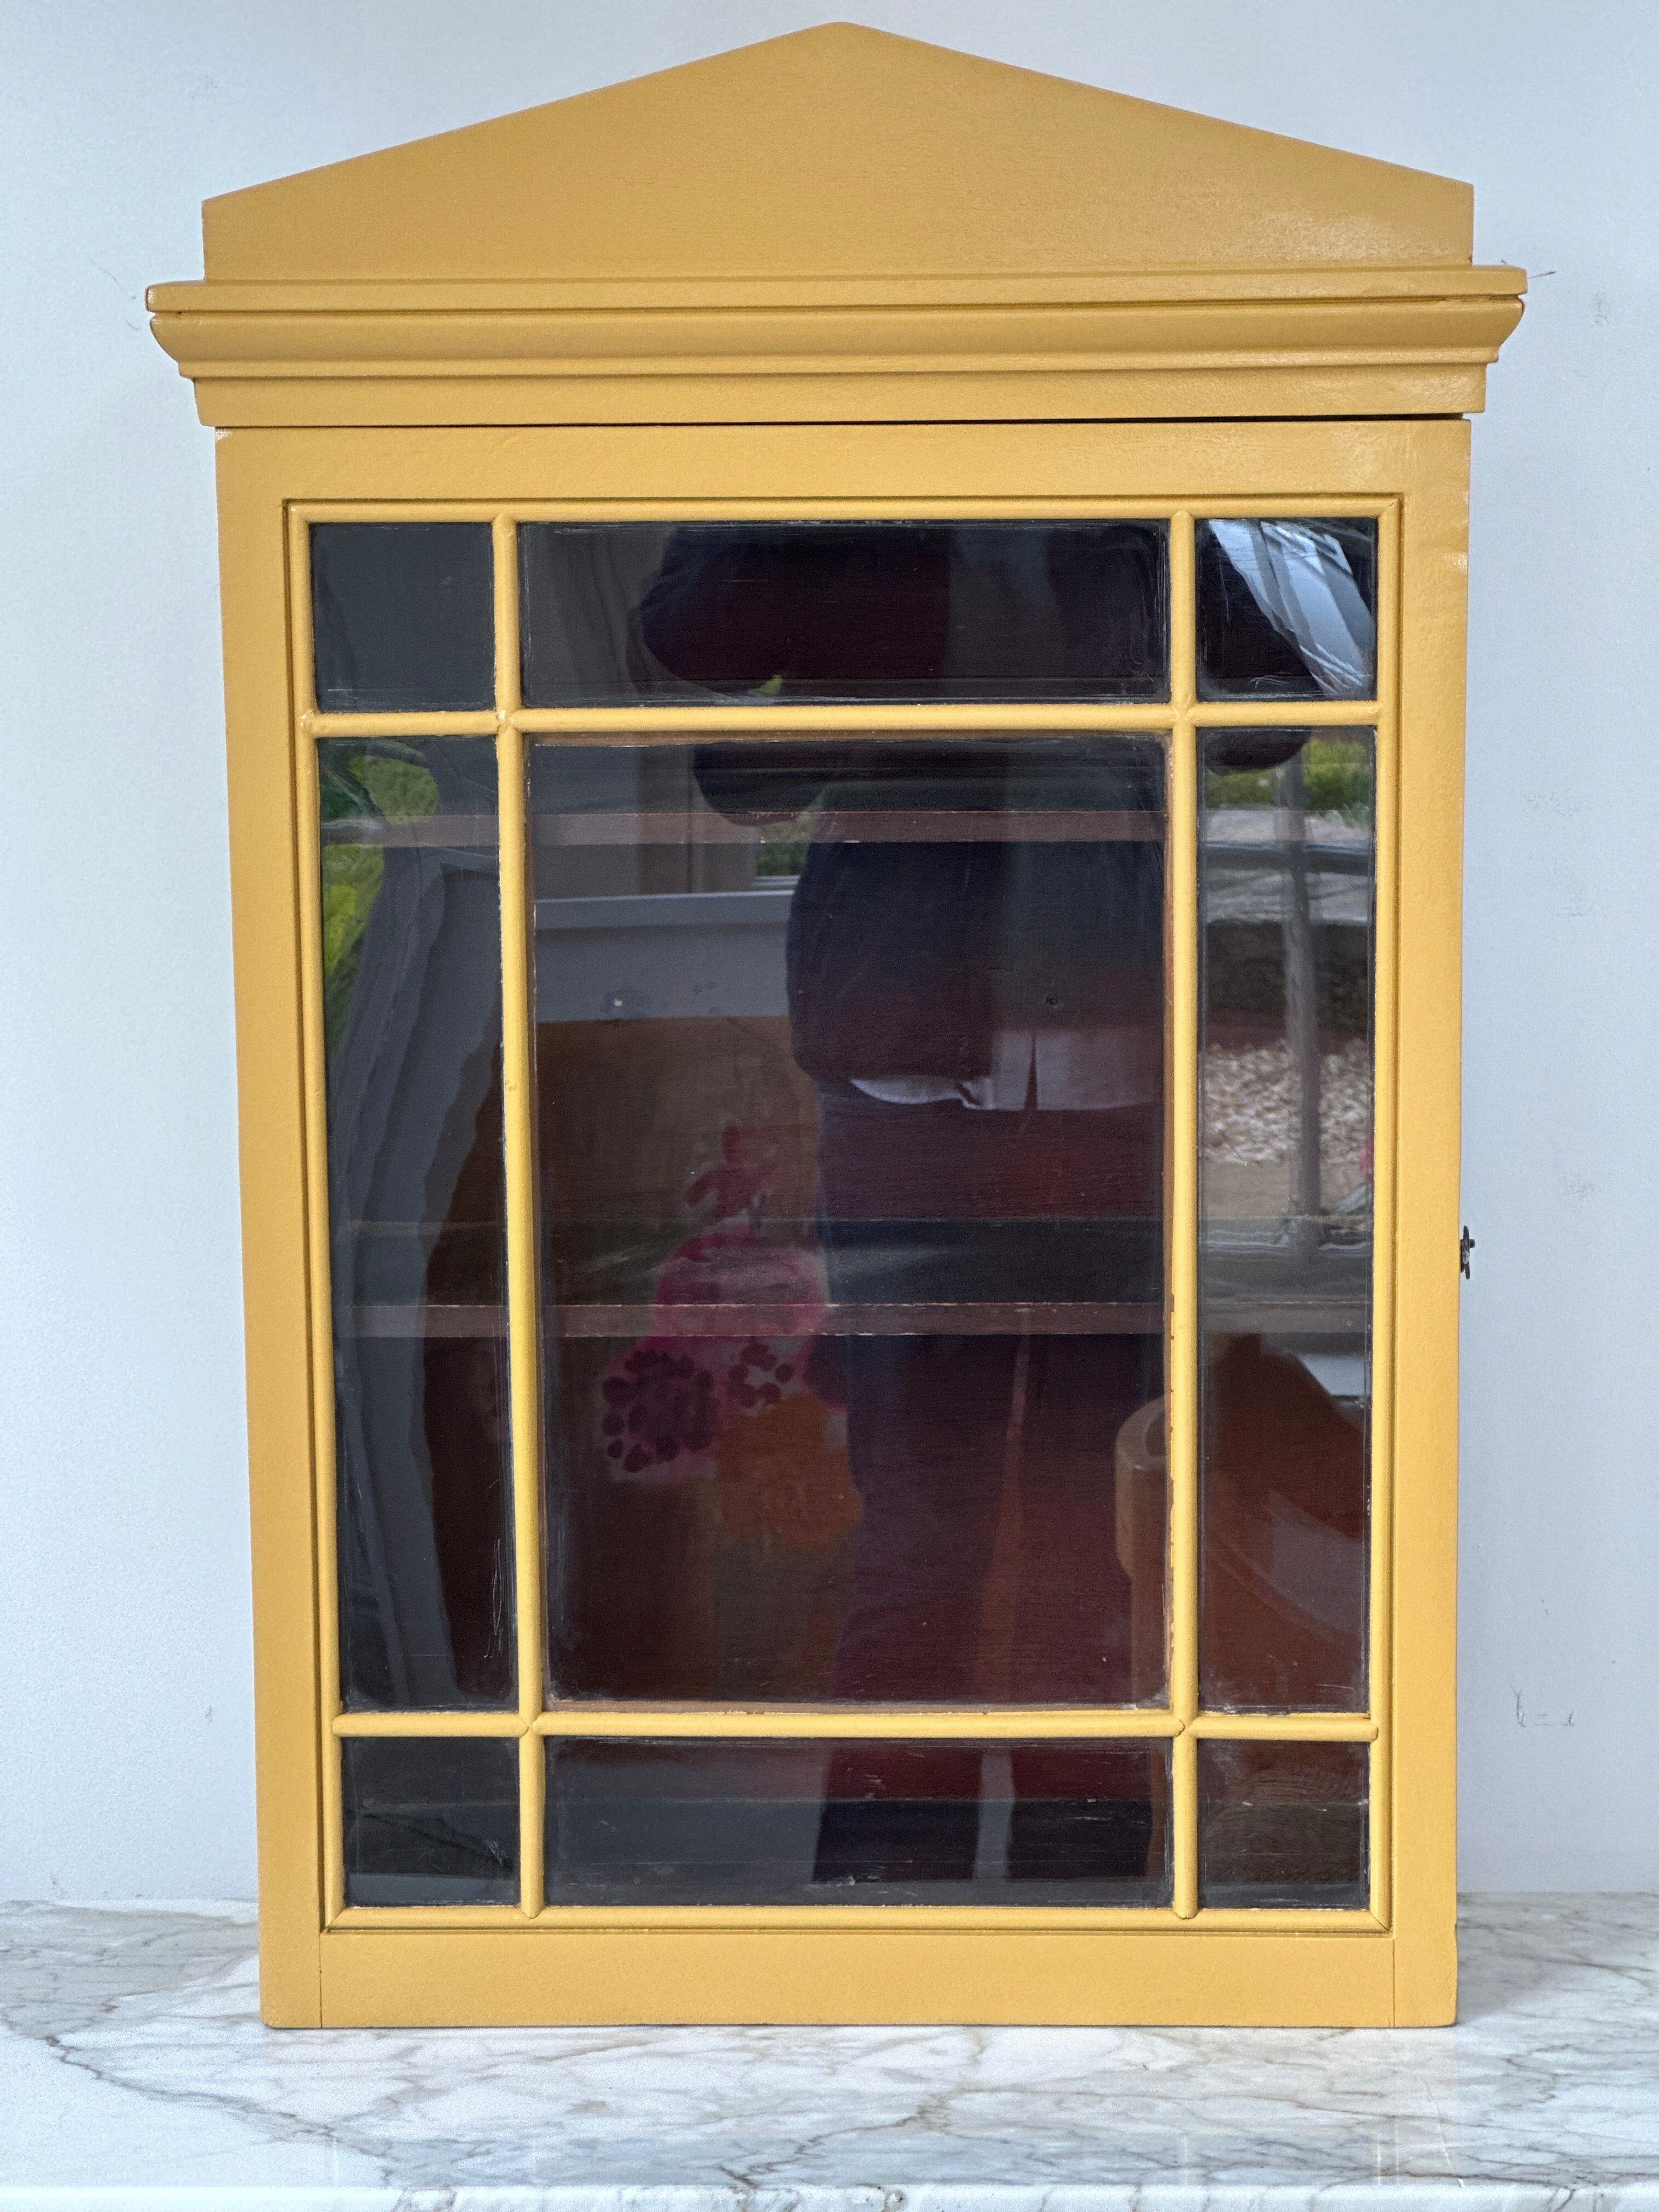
<point x="762" y="1306"/>
<point x="1286" y="869"/>
<point x="411" y="996"/>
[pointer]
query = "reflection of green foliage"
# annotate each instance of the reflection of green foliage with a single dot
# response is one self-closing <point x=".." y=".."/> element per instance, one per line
<point x="388" y="783"/>
<point x="781" y="860"/>
<point x="351" y="883"/>
<point x="402" y="790"/>
<point x="1239" y="787"/>
<point x="783" y="846"/>
<point x="1336" y="779"/>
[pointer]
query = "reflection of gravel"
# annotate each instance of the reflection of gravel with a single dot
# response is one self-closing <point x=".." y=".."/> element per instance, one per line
<point x="1250" y="1104"/>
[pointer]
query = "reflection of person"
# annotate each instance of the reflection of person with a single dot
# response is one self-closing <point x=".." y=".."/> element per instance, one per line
<point x="983" y="1020"/>
<point x="982" y="1015"/>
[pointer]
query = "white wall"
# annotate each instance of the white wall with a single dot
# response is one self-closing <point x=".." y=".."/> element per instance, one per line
<point x="125" y="1762"/>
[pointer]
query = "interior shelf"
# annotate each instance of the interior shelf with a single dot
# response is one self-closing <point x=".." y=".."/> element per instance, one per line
<point x="1037" y="1317"/>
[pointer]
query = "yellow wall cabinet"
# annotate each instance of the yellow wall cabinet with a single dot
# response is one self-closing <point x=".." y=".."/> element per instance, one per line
<point x="844" y="671"/>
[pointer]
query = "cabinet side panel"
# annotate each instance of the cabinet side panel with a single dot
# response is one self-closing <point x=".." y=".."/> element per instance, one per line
<point x="253" y="585"/>
<point x="1434" y="568"/>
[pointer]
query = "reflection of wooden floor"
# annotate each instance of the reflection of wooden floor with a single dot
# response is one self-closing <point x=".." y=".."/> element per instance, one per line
<point x="1050" y="1318"/>
<point x="1242" y="1314"/>
<point x="1054" y="1318"/>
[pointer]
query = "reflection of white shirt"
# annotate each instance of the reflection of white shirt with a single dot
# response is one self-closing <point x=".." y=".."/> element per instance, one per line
<point x="1299" y="575"/>
<point x="1075" y="1071"/>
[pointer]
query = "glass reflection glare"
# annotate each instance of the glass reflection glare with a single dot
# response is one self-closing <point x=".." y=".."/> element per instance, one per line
<point x="1287" y="609"/>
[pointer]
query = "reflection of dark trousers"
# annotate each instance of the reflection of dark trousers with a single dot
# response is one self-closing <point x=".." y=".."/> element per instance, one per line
<point x="935" y="1204"/>
<point x="948" y="1432"/>
<point x="935" y="1432"/>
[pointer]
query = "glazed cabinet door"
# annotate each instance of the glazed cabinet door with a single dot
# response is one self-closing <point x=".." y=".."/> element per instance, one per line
<point x="850" y="1063"/>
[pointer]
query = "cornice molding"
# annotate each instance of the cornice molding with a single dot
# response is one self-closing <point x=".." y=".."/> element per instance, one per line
<point x="1219" y="341"/>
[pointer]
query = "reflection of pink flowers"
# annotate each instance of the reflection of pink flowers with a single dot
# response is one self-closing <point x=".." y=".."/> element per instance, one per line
<point x="670" y="1396"/>
<point x="658" y="1404"/>
<point x="741" y="1180"/>
<point x="771" y="1377"/>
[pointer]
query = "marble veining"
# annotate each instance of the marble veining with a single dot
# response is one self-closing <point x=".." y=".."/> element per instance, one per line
<point x="134" y="2072"/>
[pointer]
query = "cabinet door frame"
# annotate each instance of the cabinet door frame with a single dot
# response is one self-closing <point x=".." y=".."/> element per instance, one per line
<point x="322" y="1963"/>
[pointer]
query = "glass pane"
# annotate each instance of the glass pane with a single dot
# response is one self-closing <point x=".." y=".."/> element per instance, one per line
<point x="1286" y="876"/>
<point x="413" y="1014"/>
<point x="824" y="1823"/>
<point x="1284" y="1824"/>
<point x="851" y="1067"/>
<point x="429" y="1821"/>
<point x="1287" y="609"/>
<point x="715" y="611"/>
<point x="403" y="617"/>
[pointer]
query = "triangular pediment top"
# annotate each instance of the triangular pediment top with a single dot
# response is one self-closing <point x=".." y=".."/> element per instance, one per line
<point x="835" y="153"/>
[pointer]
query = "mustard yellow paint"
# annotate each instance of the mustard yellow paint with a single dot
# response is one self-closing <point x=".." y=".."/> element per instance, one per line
<point x="779" y="233"/>
<point x="934" y="164"/>
<point x="844" y="225"/>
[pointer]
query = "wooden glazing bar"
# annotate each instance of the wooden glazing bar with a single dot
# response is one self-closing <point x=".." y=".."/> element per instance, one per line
<point x="1283" y="1727"/>
<point x="1000" y="1722"/>
<point x="428" y="1723"/>
<point x="483" y="723"/>
<point x="996" y="1723"/>
<point x="636" y="1717"/>
<point x="1181" y="1346"/>
<point x="1385" y="972"/>
<point x="1184" y="1823"/>
<point x="533" y="1801"/>
<point x="730" y="721"/>
<point x="315" y="1111"/>
<point x="1283" y="714"/>
<point x="519" y="1108"/>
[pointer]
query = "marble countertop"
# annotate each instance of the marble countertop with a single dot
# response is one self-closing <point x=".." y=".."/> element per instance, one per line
<point x="134" y="2072"/>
